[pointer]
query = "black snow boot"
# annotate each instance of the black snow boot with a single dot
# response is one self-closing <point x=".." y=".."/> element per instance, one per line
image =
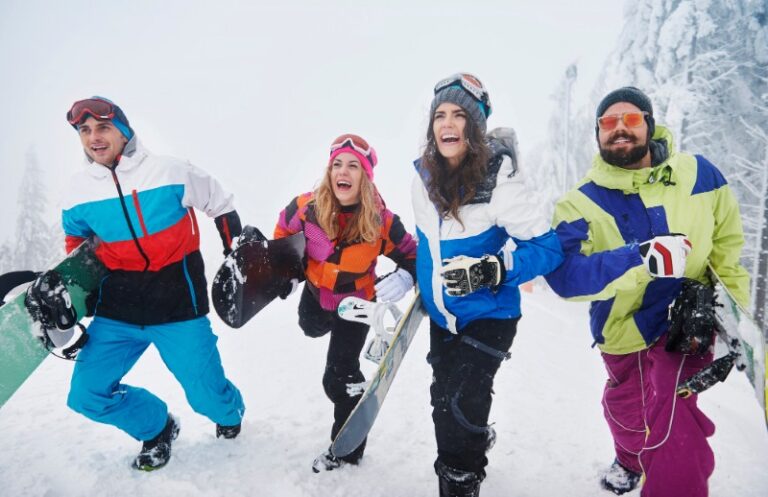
<point x="619" y="479"/>
<point x="328" y="462"/>
<point x="155" y="453"/>
<point x="228" y="432"/>
<point x="458" y="483"/>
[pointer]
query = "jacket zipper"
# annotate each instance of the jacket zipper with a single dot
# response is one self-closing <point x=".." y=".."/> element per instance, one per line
<point x="128" y="218"/>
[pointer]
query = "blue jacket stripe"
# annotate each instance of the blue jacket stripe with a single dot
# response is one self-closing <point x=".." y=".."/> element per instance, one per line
<point x="190" y="284"/>
<point x="161" y="208"/>
<point x="708" y="177"/>
<point x="628" y="211"/>
<point x="535" y="256"/>
<point x="424" y="274"/>
<point x="580" y="275"/>
<point x="598" y="315"/>
<point x="652" y="317"/>
<point x="658" y="218"/>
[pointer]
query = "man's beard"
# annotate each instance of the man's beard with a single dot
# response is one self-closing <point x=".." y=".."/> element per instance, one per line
<point x="623" y="157"/>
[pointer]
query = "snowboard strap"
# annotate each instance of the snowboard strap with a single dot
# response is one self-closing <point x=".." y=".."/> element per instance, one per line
<point x="462" y="419"/>
<point x="692" y="319"/>
<point x="473" y="342"/>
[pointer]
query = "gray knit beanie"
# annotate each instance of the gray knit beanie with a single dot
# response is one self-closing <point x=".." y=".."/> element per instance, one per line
<point x="455" y="94"/>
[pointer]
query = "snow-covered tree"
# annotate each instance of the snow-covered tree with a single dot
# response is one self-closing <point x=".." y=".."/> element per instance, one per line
<point x="6" y="258"/>
<point x="562" y="160"/>
<point x="33" y="244"/>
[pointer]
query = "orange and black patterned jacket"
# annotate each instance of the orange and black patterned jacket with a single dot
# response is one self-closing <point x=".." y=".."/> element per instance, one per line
<point x="339" y="269"/>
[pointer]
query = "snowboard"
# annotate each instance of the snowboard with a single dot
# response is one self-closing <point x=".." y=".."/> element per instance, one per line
<point x="361" y="419"/>
<point x="254" y="274"/>
<point x="746" y="344"/>
<point x="21" y="345"/>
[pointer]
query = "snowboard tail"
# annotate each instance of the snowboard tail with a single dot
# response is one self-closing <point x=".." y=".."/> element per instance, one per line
<point x="253" y="275"/>
<point x="21" y="347"/>
<point x="361" y="419"/>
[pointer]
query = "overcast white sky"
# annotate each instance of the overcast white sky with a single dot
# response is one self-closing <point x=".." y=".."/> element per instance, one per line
<point x="255" y="91"/>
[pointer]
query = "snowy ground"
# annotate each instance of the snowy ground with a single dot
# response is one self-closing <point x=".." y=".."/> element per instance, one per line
<point x="552" y="440"/>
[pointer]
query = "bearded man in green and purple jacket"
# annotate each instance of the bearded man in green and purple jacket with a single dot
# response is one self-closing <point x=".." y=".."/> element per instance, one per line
<point x="644" y="218"/>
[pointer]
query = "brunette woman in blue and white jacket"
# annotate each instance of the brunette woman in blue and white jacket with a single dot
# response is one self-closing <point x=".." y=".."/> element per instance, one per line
<point x="471" y="204"/>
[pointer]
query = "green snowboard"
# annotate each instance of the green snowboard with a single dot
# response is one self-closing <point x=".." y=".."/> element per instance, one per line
<point x="21" y="347"/>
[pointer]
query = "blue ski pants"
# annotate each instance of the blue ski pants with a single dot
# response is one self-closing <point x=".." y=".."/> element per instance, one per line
<point x="188" y="349"/>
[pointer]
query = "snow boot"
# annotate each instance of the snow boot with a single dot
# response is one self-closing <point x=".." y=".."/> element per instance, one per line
<point x="328" y="462"/>
<point x="456" y="482"/>
<point x="228" y="432"/>
<point x="155" y="453"/>
<point x="619" y="479"/>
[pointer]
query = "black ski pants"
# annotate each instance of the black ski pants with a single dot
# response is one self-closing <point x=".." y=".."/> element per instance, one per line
<point x="342" y="365"/>
<point x="462" y="384"/>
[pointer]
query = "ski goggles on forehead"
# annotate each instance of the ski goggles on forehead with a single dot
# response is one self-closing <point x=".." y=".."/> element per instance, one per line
<point x="357" y="144"/>
<point x="100" y="109"/>
<point x="630" y="120"/>
<point x="469" y="83"/>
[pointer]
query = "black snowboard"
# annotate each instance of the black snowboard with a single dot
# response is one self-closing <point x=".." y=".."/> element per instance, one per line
<point x="11" y="280"/>
<point x="253" y="275"/>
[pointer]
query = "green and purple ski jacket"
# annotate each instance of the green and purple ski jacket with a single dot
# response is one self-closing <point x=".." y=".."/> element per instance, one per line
<point x="602" y="220"/>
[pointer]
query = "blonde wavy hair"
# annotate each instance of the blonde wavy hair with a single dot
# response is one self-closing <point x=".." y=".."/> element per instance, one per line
<point x="365" y="225"/>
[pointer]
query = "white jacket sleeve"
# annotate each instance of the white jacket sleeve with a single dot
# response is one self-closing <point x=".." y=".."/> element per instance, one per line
<point x="204" y="193"/>
<point x="515" y="206"/>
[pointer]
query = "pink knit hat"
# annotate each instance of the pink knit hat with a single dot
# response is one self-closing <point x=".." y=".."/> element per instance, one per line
<point x="358" y="147"/>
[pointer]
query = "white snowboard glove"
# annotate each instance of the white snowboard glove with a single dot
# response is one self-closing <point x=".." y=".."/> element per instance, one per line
<point x="463" y="275"/>
<point x="664" y="256"/>
<point x="394" y="286"/>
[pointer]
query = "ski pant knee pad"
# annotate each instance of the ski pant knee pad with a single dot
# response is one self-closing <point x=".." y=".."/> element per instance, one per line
<point x="454" y="407"/>
<point x="313" y="327"/>
<point x="336" y="380"/>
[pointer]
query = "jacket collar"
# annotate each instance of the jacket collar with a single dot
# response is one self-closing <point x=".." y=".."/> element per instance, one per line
<point x="133" y="154"/>
<point x="629" y="180"/>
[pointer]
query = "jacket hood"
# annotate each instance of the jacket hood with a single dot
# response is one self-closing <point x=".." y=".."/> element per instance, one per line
<point x="133" y="154"/>
<point x="629" y="180"/>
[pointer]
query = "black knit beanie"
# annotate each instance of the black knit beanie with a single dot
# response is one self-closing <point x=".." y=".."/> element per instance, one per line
<point x="635" y="97"/>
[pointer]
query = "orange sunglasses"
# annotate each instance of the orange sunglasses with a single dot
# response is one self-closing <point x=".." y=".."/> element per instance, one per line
<point x="630" y="120"/>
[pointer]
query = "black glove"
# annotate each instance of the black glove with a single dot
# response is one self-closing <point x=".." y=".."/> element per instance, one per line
<point x="463" y="275"/>
<point x="251" y="234"/>
<point x="229" y="228"/>
<point x="692" y="320"/>
<point x="289" y="288"/>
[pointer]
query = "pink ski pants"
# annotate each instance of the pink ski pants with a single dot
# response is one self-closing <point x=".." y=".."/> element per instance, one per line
<point x="654" y="431"/>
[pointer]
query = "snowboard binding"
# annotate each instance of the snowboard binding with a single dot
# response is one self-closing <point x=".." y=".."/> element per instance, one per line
<point x="373" y="314"/>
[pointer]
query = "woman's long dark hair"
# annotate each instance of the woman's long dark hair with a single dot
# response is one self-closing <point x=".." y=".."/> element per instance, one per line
<point x="450" y="188"/>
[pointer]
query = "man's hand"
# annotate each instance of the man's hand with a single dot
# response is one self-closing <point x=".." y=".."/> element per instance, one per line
<point x="463" y="275"/>
<point x="249" y="234"/>
<point x="664" y="256"/>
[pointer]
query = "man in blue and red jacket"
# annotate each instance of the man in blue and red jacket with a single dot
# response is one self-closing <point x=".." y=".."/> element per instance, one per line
<point x="141" y="208"/>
